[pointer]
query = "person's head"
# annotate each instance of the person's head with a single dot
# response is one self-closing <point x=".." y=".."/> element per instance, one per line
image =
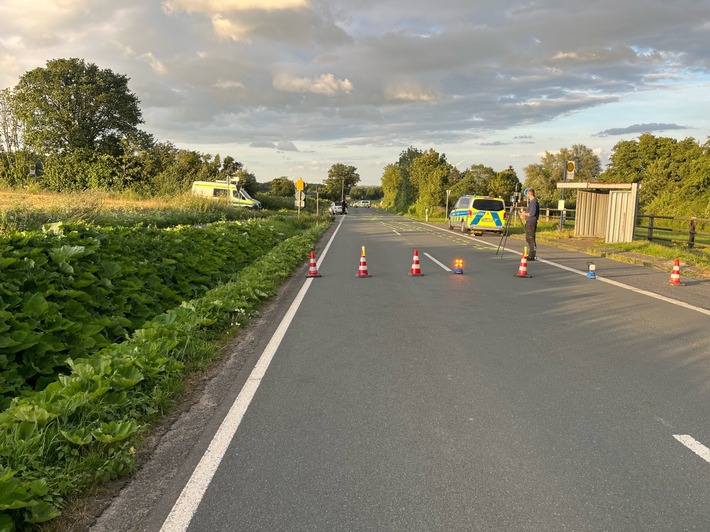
<point x="531" y="193"/>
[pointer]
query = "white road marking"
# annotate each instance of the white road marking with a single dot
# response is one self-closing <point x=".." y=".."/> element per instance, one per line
<point x="189" y="500"/>
<point x="694" y="445"/>
<point x="599" y="278"/>
<point x="439" y="263"/>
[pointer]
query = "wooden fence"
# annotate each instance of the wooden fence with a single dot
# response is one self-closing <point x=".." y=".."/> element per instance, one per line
<point x="691" y="231"/>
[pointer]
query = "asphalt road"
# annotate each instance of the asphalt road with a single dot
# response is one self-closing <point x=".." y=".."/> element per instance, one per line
<point x="481" y="401"/>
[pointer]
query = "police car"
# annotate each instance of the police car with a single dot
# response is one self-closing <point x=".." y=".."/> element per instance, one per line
<point x="478" y="214"/>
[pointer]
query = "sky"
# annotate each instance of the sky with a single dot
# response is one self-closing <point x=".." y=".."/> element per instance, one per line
<point x="291" y="87"/>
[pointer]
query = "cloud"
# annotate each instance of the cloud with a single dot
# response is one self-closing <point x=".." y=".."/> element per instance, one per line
<point x="326" y="84"/>
<point x="285" y="145"/>
<point x="228" y="85"/>
<point x="262" y="144"/>
<point x="639" y="128"/>
<point x="230" y="6"/>
<point x="409" y="92"/>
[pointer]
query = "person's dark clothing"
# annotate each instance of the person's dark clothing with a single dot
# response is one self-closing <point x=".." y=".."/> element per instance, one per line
<point x="533" y="211"/>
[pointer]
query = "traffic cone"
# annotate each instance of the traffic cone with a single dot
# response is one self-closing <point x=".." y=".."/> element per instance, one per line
<point x="523" y="268"/>
<point x="416" y="269"/>
<point x="675" y="273"/>
<point x="362" y="269"/>
<point x="312" y="268"/>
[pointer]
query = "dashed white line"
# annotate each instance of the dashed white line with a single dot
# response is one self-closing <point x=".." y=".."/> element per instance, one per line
<point x="694" y="445"/>
<point x="437" y="262"/>
<point x="599" y="278"/>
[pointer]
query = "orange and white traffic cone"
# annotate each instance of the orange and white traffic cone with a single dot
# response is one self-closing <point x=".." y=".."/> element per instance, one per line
<point x="362" y="269"/>
<point x="313" y="268"/>
<point x="416" y="268"/>
<point x="523" y="268"/>
<point x="675" y="273"/>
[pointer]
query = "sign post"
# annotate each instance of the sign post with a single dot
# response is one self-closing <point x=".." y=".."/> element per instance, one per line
<point x="300" y="195"/>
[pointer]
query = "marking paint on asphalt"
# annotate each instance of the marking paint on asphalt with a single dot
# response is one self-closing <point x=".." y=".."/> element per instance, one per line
<point x="189" y="500"/>
<point x="694" y="445"/>
<point x="439" y="263"/>
<point x="599" y="278"/>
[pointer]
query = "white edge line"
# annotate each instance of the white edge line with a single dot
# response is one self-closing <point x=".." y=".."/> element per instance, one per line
<point x="598" y="278"/>
<point x="189" y="500"/>
<point x="439" y="263"/>
<point x="694" y="445"/>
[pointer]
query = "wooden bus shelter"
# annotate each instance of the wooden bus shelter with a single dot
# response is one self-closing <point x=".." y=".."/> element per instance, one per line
<point x="605" y="209"/>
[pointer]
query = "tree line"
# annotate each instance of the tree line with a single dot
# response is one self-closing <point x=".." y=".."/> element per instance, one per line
<point x="71" y="126"/>
<point x="674" y="177"/>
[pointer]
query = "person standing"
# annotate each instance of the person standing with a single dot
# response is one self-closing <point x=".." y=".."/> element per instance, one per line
<point x="531" y="214"/>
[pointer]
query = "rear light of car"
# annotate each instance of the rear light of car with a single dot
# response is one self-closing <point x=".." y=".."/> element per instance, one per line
<point x="505" y="215"/>
<point x="470" y="213"/>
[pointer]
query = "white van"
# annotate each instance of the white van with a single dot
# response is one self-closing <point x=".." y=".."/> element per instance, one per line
<point x="221" y="190"/>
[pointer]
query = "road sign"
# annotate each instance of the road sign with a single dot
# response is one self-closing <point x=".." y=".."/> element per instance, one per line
<point x="569" y="173"/>
<point x="300" y="195"/>
<point x="300" y="184"/>
<point x="300" y="204"/>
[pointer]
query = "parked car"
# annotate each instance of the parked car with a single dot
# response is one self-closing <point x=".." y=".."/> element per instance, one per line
<point x="362" y="203"/>
<point x="479" y="214"/>
<point x="337" y="208"/>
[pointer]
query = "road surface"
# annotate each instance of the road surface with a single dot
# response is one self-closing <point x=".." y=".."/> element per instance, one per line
<point x="480" y="401"/>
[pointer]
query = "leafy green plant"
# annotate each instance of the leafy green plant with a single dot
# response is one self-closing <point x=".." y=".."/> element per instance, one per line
<point x="84" y="426"/>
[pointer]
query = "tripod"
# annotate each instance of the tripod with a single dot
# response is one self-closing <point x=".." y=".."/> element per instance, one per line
<point x="506" y="230"/>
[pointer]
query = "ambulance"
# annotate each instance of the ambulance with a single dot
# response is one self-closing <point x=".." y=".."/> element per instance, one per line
<point x="227" y="192"/>
<point x="478" y="214"/>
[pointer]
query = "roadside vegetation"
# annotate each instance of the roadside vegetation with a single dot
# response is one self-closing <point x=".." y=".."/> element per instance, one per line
<point x="103" y="316"/>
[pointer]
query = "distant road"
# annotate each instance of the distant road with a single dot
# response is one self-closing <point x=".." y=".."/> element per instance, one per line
<point x="481" y="401"/>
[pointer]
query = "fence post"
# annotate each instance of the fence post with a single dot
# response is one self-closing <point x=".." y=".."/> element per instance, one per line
<point x="650" y="226"/>
<point x="691" y="234"/>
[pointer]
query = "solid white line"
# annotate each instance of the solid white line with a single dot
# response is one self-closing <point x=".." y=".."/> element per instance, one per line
<point x="189" y="500"/>
<point x="396" y="233"/>
<point x="599" y="278"/>
<point x="694" y="445"/>
<point x="439" y="263"/>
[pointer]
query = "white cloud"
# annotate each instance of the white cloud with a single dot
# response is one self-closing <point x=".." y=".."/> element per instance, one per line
<point x="326" y="84"/>
<point x="230" y="6"/>
<point x="409" y="92"/>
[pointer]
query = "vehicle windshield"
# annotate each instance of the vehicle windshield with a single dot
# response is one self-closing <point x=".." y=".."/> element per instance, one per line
<point x="483" y="204"/>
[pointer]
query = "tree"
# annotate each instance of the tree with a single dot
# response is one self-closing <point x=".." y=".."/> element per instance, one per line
<point x="71" y="105"/>
<point x="429" y="174"/>
<point x="341" y="178"/>
<point x="475" y="180"/>
<point x="15" y="161"/>
<point x="283" y="186"/>
<point x="247" y="181"/>
<point x="662" y="165"/>
<point x="391" y="182"/>
<point x="544" y="176"/>
<point x="504" y="184"/>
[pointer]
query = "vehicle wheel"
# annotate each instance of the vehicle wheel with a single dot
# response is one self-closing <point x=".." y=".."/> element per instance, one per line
<point x="478" y="233"/>
<point x="464" y="229"/>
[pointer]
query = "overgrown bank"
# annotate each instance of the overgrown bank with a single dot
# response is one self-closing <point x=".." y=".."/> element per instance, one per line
<point x="83" y="427"/>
